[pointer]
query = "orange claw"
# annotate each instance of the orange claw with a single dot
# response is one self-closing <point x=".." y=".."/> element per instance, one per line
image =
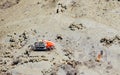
<point x="99" y="56"/>
<point x="49" y="44"/>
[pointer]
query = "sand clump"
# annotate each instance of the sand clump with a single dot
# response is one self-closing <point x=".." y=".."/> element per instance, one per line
<point x="4" y="4"/>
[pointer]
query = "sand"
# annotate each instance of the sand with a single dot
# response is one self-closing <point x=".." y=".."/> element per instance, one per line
<point x="86" y="27"/>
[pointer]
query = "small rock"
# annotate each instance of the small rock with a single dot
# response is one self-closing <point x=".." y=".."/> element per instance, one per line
<point x="109" y="67"/>
<point x="45" y="59"/>
<point x="13" y="44"/>
<point x="24" y="35"/>
<point x="14" y="33"/>
<point x="73" y="27"/>
<point x="38" y="2"/>
<point x="15" y="62"/>
<point x="8" y="73"/>
<point x="17" y="1"/>
<point x="27" y="53"/>
<point x="25" y="61"/>
<point x="71" y="72"/>
<point x="2" y="19"/>
<point x="54" y="73"/>
<point x="31" y="60"/>
<point x="12" y="39"/>
<point x="59" y="37"/>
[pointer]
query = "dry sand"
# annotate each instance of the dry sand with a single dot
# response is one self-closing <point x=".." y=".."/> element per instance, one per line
<point x="85" y="26"/>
